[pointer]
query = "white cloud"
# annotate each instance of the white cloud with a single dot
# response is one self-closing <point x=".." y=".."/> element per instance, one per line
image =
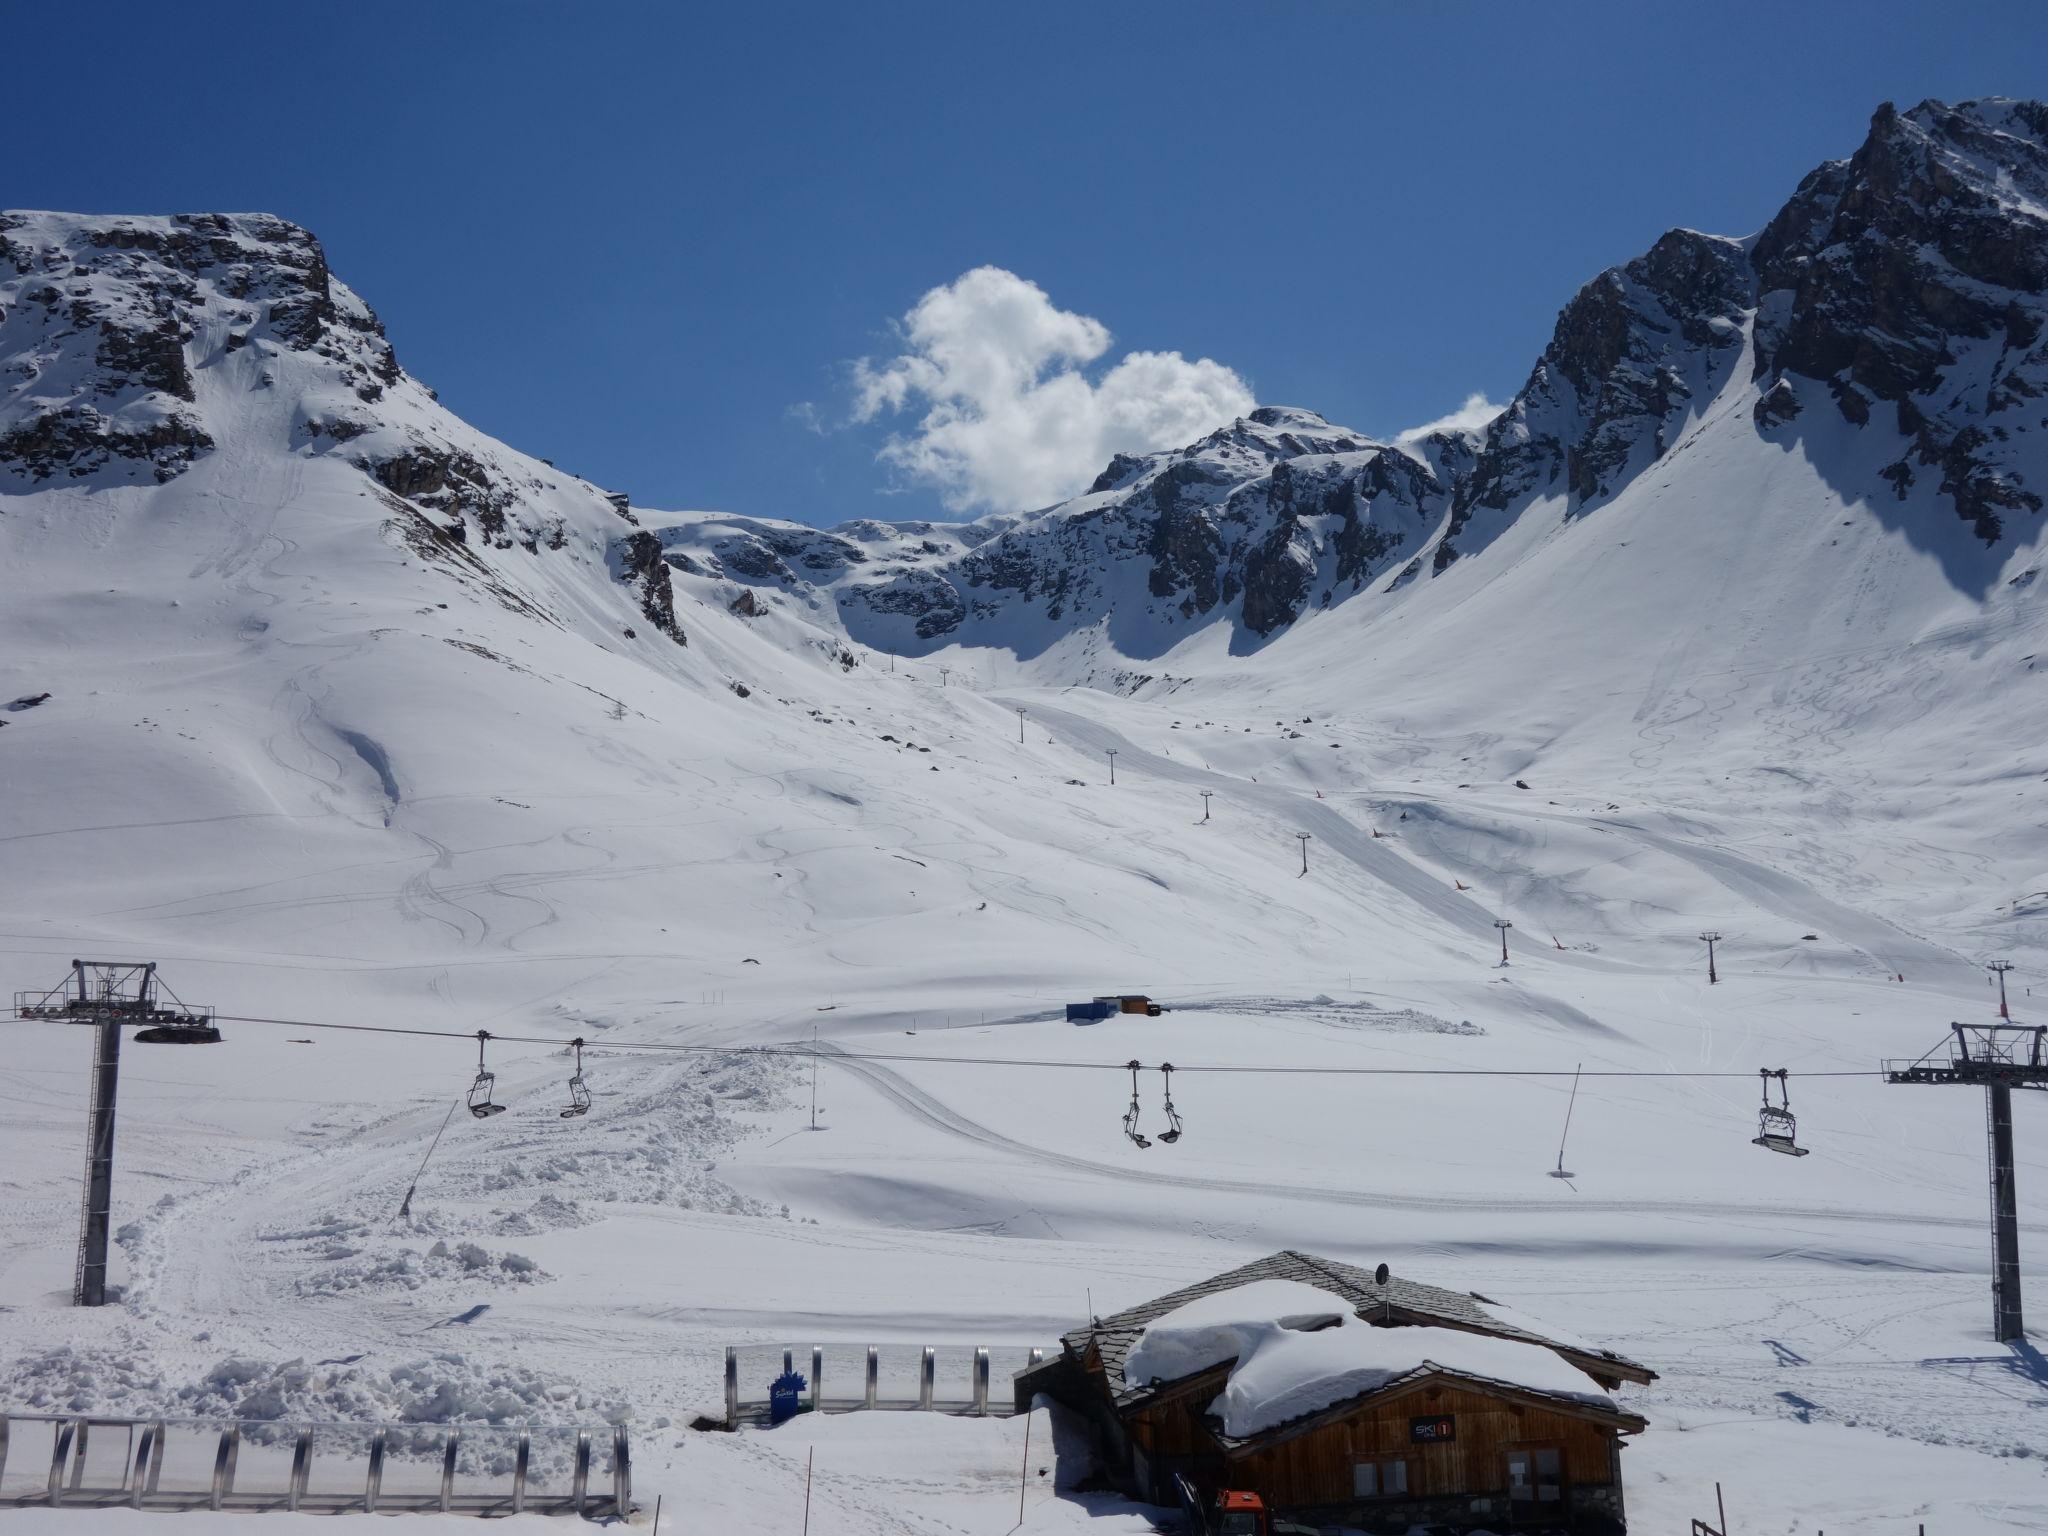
<point x="1475" y="413"/>
<point x="1011" y="418"/>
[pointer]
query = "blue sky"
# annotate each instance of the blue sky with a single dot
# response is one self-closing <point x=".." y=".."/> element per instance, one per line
<point x="650" y="241"/>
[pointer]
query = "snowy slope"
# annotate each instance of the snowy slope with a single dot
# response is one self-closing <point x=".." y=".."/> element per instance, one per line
<point x="327" y="759"/>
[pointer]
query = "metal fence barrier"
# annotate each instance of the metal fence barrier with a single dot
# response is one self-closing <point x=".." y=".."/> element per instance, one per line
<point x="64" y="1461"/>
<point x="848" y="1378"/>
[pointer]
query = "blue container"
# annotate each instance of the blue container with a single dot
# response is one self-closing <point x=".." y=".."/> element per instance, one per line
<point x="786" y="1397"/>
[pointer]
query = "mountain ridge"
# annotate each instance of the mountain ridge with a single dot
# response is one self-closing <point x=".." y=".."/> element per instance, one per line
<point x="1883" y="280"/>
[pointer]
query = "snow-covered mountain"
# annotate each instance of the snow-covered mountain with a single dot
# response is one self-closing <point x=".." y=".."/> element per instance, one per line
<point x="136" y="349"/>
<point x="1255" y="523"/>
<point x="1899" y="292"/>
<point x="345" y="712"/>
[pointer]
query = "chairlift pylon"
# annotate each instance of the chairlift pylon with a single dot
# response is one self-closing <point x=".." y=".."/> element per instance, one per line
<point x="1131" y="1114"/>
<point x="579" y="1095"/>
<point x="480" y="1103"/>
<point x="1173" y="1126"/>
<point x="1776" y="1130"/>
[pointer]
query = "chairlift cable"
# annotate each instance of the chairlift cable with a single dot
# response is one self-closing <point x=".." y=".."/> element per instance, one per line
<point x="804" y="1051"/>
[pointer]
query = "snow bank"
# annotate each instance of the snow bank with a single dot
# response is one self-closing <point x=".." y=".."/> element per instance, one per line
<point x="445" y="1386"/>
<point x="1300" y="1349"/>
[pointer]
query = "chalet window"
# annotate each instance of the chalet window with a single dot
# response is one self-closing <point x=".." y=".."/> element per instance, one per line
<point x="1536" y="1476"/>
<point x="1378" y="1479"/>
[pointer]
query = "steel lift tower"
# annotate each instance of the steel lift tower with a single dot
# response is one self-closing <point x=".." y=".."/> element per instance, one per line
<point x="2000" y="1057"/>
<point x="109" y="996"/>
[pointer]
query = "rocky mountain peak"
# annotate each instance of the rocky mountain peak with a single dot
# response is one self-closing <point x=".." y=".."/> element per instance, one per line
<point x="103" y="322"/>
<point x="1916" y="274"/>
<point x="1911" y="273"/>
<point x="131" y="348"/>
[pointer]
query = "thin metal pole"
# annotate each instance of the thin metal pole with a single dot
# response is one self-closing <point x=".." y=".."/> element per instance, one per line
<point x="1112" y="765"/>
<point x="1503" y="925"/>
<point x="1205" y="803"/>
<point x="1711" y="939"/>
<point x="1720" y="1510"/>
<point x="1020" y="727"/>
<point x="1568" y="1107"/>
<point x="1304" y="837"/>
<point x="405" y="1205"/>
<point x="1999" y="968"/>
<point x="809" y="1457"/>
<point x="814" y="1077"/>
<point x="1024" y="1472"/>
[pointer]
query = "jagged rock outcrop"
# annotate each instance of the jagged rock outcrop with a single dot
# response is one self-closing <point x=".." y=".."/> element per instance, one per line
<point x="103" y="321"/>
<point x="1907" y="282"/>
<point x="1633" y="350"/>
<point x="644" y="571"/>
<point x="130" y="348"/>
<point x="1914" y="274"/>
<point x="1259" y="520"/>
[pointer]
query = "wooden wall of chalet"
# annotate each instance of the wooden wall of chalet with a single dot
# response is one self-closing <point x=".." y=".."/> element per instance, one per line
<point x="1316" y="1467"/>
<point x="1169" y="1429"/>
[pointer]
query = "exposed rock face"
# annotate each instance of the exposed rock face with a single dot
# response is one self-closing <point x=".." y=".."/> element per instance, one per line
<point x="130" y="347"/>
<point x="1259" y="520"/>
<point x="103" y="322"/>
<point x="1914" y="274"/>
<point x="642" y="568"/>
<point x="1631" y="352"/>
<point x="1910" y="275"/>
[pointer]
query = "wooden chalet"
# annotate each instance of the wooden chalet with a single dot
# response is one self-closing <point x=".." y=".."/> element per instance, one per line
<point x="1438" y="1445"/>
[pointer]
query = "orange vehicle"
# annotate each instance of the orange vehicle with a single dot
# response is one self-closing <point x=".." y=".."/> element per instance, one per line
<point x="1238" y="1512"/>
<point x="1241" y="1514"/>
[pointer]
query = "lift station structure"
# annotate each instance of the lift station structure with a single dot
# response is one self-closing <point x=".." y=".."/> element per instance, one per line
<point x="109" y="996"/>
<point x="1999" y="1057"/>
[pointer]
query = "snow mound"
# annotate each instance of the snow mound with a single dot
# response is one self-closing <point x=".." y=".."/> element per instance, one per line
<point x="406" y="1269"/>
<point x="1299" y="1349"/>
<point x="440" y="1388"/>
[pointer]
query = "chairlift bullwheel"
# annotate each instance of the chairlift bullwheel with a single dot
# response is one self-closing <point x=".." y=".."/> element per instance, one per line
<point x="480" y="1103"/>
<point x="579" y="1094"/>
<point x="1776" y="1129"/>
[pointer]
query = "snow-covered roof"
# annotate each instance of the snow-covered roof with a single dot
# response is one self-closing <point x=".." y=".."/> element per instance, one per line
<point x="1398" y="1300"/>
<point x="1298" y="1349"/>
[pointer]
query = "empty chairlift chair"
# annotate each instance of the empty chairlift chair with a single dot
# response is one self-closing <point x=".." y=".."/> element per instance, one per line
<point x="1131" y="1130"/>
<point x="1776" y="1130"/>
<point x="579" y="1095"/>
<point x="480" y="1103"/>
<point x="1173" y="1126"/>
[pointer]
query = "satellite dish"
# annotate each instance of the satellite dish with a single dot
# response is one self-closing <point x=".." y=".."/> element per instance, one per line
<point x="1379" y="1276"/>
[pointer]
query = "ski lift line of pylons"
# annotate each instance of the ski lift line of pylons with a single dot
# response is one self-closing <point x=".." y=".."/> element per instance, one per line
<point x="803" y="1051"/>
